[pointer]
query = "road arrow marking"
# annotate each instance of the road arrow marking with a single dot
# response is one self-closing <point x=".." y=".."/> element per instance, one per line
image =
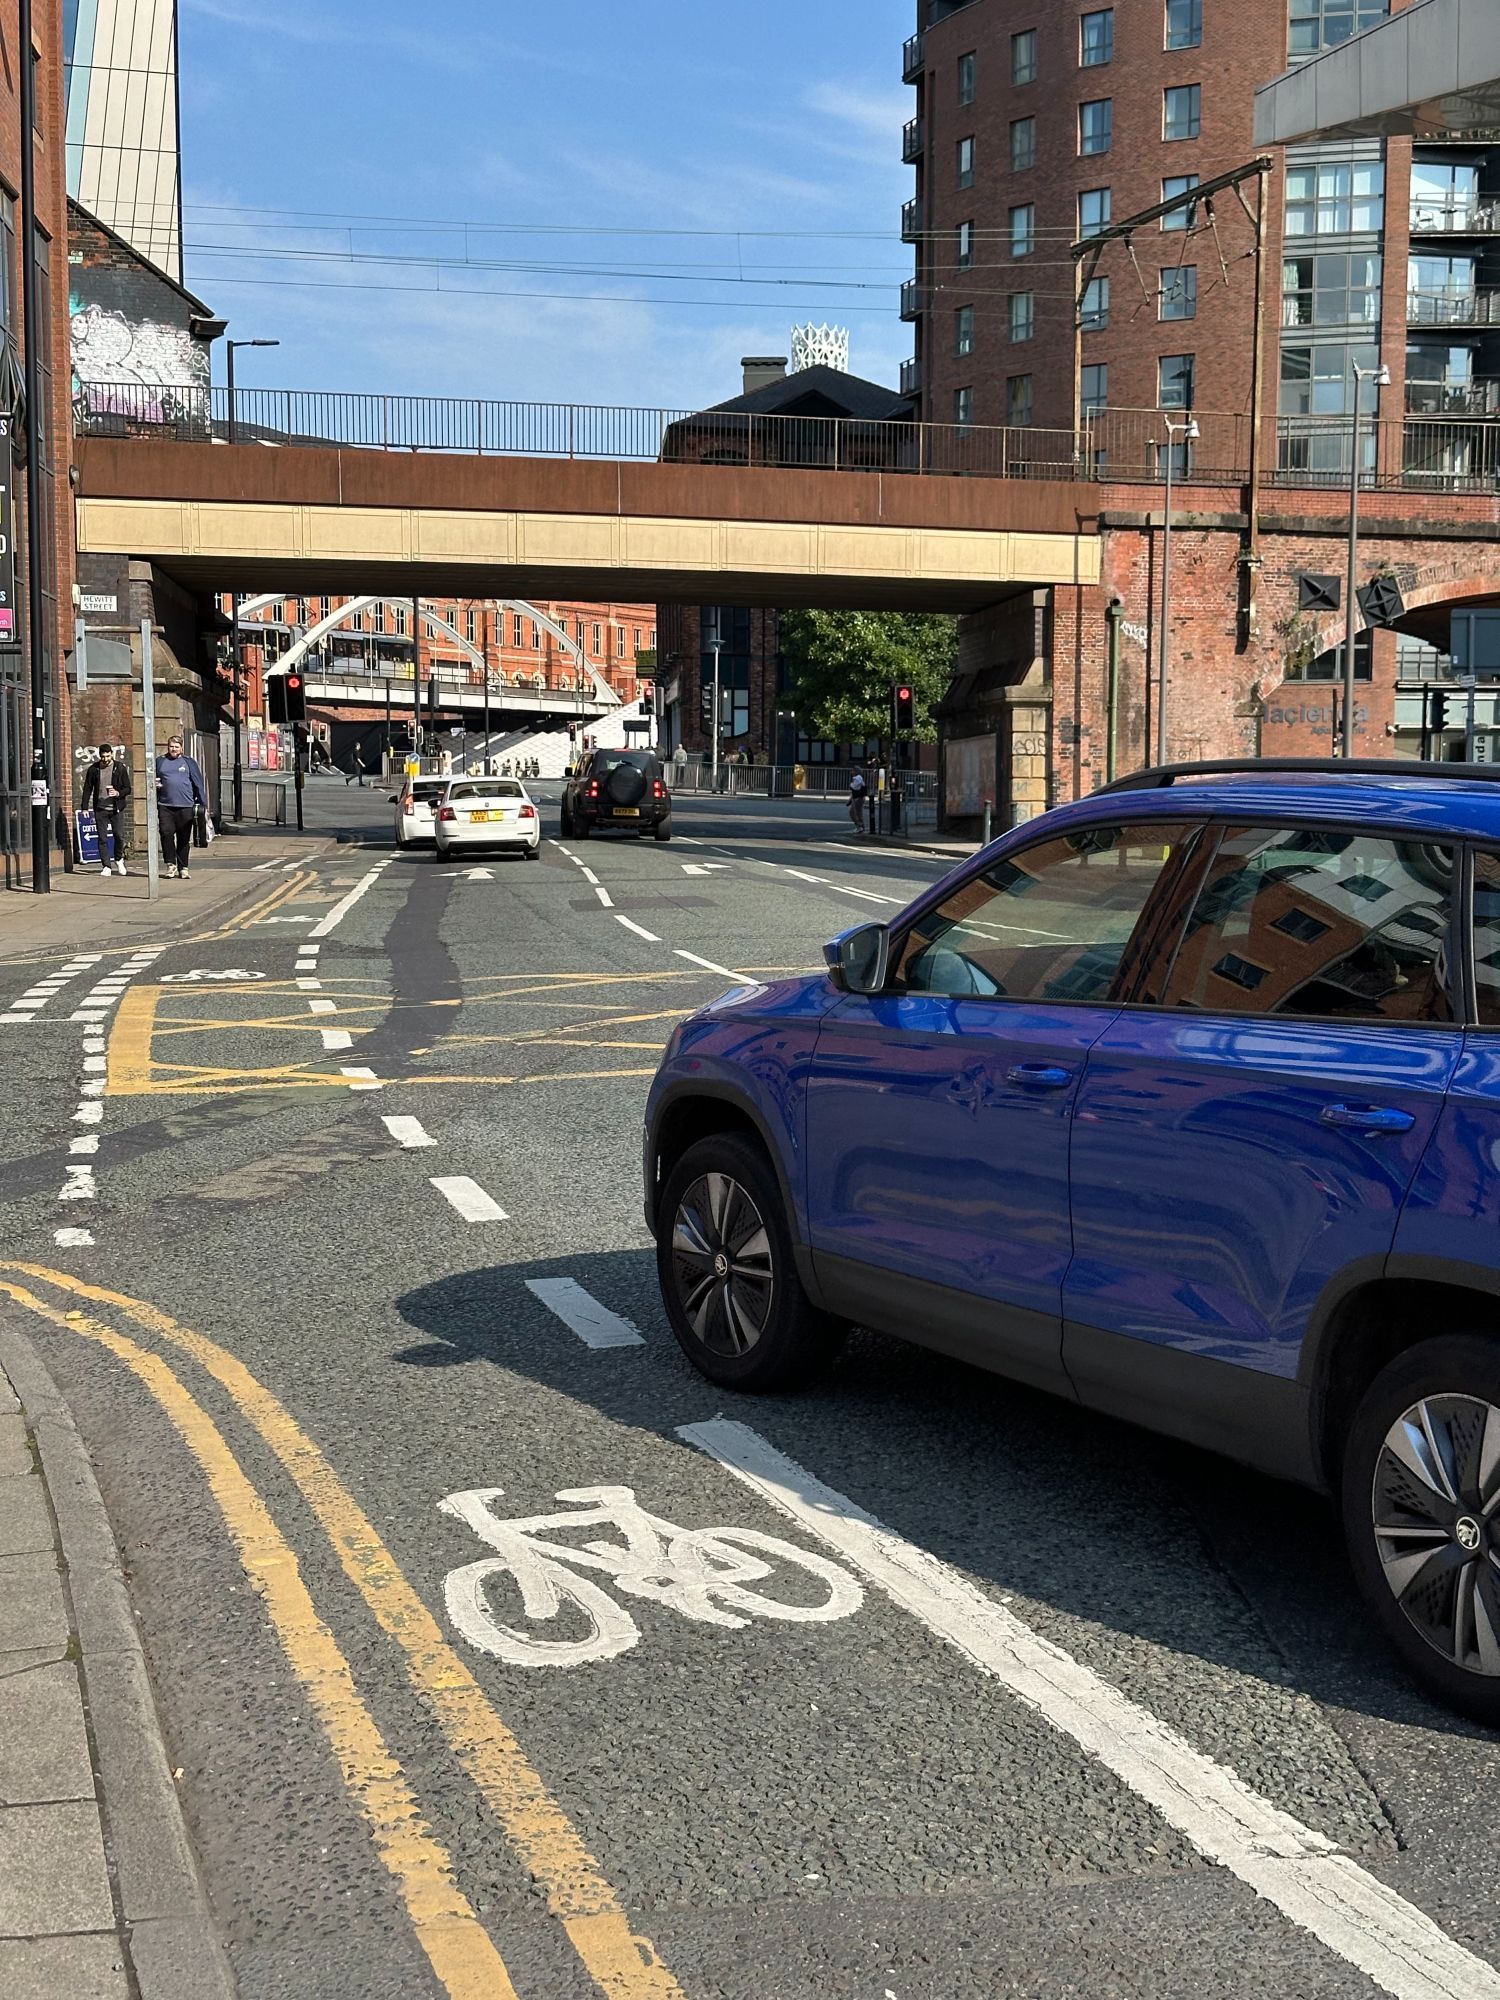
<point x="478" y="875"/>
<point x="704" y="867"/>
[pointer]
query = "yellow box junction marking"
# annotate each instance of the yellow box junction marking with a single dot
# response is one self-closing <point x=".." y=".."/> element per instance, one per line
<point x="623" y="1965"/>
<point x="459" y="1949"/>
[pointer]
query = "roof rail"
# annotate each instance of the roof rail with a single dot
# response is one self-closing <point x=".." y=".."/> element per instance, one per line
<point x="1158" y="777"/>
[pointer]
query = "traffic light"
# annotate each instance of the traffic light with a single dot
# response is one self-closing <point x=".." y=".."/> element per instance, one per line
<point x="286" y="698"/>
<point x="706" y="704"/>
<point x="903" y="710"/>
<point x="1439" y="710"/>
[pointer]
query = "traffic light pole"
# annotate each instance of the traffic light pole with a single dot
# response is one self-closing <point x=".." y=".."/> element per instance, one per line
<point x="37" y="427"/>
<point x="299" y="745"/>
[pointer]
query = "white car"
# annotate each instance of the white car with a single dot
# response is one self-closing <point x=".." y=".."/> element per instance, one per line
<point x="416" y="809"/>
<point x="476" y="813"/>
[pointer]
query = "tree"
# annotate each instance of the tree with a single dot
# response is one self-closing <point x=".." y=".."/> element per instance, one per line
<point x="842" y="665"/>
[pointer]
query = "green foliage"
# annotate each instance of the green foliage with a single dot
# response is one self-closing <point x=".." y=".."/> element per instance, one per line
<point x="842" y="665"/>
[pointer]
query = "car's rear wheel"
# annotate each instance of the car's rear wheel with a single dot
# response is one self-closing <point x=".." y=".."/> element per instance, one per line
<point x="728" y="1275"/>
<point x="581" y="829"/>
<point x="533" y="853"/>
<point x="664" y="829"/>
<point x="1421" y="1505"/>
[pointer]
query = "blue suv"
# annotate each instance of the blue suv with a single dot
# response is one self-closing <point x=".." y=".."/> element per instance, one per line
<point x="1182" y="1102"/>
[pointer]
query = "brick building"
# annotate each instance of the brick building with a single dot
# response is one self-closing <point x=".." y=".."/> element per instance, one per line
<point x="1040" y="125"/>
<point x="374" y="642"/>
<point x="43" y="481"/>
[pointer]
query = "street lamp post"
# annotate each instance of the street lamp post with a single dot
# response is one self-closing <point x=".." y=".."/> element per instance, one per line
<point x="232" y="434"/>
<point x="714" y="718"/>
<point x="1380" y="375"/>
<point x="1188" y="432"/>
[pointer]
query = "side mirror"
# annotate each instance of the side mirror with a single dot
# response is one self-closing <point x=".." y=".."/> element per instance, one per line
<point x="858" y="959"/>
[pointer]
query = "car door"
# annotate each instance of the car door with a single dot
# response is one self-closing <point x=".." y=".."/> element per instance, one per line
<point x="939" y="1110"/>
<point x="1249" y="1129"/>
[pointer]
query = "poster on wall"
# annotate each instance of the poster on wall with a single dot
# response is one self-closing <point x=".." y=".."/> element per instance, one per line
<point x="253" y="758"/>
<point x="969" y="767"/>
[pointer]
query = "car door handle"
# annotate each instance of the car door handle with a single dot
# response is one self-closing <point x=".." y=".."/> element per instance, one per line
<point x="1371" y="1118"/>
<point x="1039" y="1076"/>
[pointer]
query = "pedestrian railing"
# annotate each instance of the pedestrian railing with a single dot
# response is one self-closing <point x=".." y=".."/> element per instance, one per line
<point x="263" y="803"/>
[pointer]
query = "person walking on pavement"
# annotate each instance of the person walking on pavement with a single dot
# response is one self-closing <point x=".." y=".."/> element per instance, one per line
<point x="859" y="792"/>
<point x="180" y="792"/>
<point x="358" y="762"/>
<point x="106" y="788"/>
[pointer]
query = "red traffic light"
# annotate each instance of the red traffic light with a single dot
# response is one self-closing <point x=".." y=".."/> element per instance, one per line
<point x="294" y="681"/>
<point x="903" y="694"/>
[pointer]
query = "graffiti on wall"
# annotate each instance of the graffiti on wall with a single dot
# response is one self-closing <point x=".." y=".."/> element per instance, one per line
<point x="110" y="350"/>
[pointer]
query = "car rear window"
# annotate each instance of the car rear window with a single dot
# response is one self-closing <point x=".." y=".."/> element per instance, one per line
<point x="609" y="760"/>
<point x="422" y="789"/>
<point x="494" y="788"/>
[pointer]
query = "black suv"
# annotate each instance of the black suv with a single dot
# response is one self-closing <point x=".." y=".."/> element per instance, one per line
<point x="624" y="790"/>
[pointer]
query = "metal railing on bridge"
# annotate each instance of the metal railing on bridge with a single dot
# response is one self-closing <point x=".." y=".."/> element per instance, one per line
<point x="1454" y="452"/>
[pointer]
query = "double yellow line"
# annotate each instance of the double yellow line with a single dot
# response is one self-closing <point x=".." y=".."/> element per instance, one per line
<point x="460" y="1950"/>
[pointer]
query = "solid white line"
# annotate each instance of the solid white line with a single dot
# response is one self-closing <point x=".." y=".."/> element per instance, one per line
<point x="469" y="1198"/>
<point x="709" y="966"/>
<point x="261" y="867"/>
<point x="336" y="1038"/>
<point x="595" y="1325"/>
<point x="604" y="896"/>
<point x="344" y="905"/>
<point x="408" y="1132"/>
<point x="1295" y="1869"/>
<point x="639" y="929"/>
<point x="323" y="1006"/>
<point x="73" y="1239"/>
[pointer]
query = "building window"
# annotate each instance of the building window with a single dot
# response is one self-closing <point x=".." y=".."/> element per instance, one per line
<point x="1093" y="311"/>
<point x="966" y="78"/>
<point x="1022" y="144"/>
<point x="1182" y="111"/>
<point x="1184" y="24"/>
<point x="1095" y="208"/>
<point x="1022" y="315"/>
<point x="637" y="638"/>
<point x="1334" y="288"/>
<point x="1178" y="298"/>
<point x="963" y="406"/>
<point x="401" y="616"/>
<point x="1174" y="382"/>
<point x="377" y="615"/>
<point x="1018" y="399"/>
<point x="598" y="639"/>
<point x="965" y="256"/>
<point x="1096" y="126"/>
<point x="1093" y="388"/>
<point x="1023" y="230"/>
<point x="578" y="631"/>
<point x="1023" y="56"/>
<point x="471" y="626"/>
<point x="619" y="642"/>
<point x="1171" y="188"/>
<point x="1323" y="24"/>
<point x="963" y="330"/>
<point x="536" y="637"/>
<point x="1335" y="198"/>
<point x="1318" y="381"/>
<point x="1096" y="38"/>
<point x="966" y="163"/>
<point x="517" y="636"/>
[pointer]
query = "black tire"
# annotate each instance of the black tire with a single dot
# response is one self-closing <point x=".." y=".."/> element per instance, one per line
<point x="1440" y="1613"/>
<point x="765" y="1333"/>
<point x="664" y="826"/>
<point x="535" y="853"/>
<point x="581" y="829"/>
<point x="566" y="828"/>
<point x="442" y="854"/>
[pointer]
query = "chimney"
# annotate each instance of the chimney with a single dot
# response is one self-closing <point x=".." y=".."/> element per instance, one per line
<point x="761" y="370"/>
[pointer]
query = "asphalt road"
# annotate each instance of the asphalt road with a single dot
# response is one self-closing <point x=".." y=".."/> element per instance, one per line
<point x="287" y="1342"/>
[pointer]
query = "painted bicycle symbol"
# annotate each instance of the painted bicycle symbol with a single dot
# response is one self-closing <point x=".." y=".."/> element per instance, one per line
<point x="200" y="976"/>
<point x="710" y="1575"/>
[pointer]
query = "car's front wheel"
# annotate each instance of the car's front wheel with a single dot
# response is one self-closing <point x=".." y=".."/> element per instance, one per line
<point x="1421" y="1505"/>
<point x="565" y="827"/>
<point x="728" y="1275"/>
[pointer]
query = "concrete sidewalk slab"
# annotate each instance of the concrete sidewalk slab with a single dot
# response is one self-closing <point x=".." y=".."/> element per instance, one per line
<point x="99" y="1892"/>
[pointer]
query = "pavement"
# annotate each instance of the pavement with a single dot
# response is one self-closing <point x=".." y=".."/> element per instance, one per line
<point x="322" y="1211"/>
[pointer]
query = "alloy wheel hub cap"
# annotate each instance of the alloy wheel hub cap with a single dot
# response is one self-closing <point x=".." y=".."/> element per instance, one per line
<point x="1435" y="1508"/>
<point x="722" y="1264"/>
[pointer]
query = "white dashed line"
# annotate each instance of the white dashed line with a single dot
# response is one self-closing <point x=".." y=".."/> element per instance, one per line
<point x="80" y="1185"/>
<point x="309" y="985"/>
<point x="639" y="929"/>
<point x="408" y="1132"/>
<point x="89" y="1114"/>
<point x="604" y="896"/>
<point x="589" y="875"/>
<point x="469" y="1198"/>
<point x="709" y="966"/>
<point x="86" y="1142"/>
<point x="336" y="1038"/>
<point x="362" y="1079"/>
<point x="595" y="1325"/>
<point x="72" y="1239"/>
<point x="323" y="1006"/>
<point x="1296" y="1870"/>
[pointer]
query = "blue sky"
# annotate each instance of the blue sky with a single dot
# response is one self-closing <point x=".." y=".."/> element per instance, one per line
<point x="358" y="174"/>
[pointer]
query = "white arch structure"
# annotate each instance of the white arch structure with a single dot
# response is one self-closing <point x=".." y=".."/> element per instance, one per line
<point x="316" y="633"/>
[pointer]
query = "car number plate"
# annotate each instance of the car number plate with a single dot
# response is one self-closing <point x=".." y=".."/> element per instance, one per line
<point x="485" y="816"/>
<point x="627" y="812"/>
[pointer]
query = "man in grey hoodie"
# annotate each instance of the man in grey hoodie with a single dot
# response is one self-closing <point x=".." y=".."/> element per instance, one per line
<point x="179" y="793"/>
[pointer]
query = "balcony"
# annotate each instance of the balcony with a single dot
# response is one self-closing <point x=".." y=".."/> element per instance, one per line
<point x="911" y="220"/>
<point x="1459" y="307"/>
<point x="1455" y="218"/>
<point x="911" y="140"/>
<point x="913" y="58"/>
<point x="911" y="377"/>
<point x="911" y="299"/>
<point x="1452" y="399"/>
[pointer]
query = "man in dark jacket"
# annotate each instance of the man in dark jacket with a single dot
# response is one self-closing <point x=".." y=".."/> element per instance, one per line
<point x="106" y="789"/>
<point x="180" y="792"/>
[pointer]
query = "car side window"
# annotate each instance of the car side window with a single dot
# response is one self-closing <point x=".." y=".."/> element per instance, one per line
<point x="1061" y="920"/>
<point x="1318" y="923"/>
<point x="1487" y="937"/>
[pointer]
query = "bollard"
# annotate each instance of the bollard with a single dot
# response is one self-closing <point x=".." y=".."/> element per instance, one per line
<point x="988" y="815"/>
